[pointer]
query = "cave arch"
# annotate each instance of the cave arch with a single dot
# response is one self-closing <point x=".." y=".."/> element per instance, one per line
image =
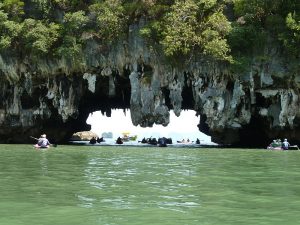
<point x="182" y="127"/>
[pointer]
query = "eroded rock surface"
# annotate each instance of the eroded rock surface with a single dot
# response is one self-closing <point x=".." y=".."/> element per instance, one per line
<point x="56" y="96"/>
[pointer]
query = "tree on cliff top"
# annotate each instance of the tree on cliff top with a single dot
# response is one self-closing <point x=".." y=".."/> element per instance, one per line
<point x="9" y="29"/>
<point x="193" y="27"/>
<point x="14" y="8"/>
<point x="182" y="28"/>
<point x="109" y="19"/>
<point x="291" y="38"/>
<point x="258" y="20"/>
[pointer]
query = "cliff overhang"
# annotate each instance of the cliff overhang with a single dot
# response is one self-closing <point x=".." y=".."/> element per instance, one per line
<point x="56" y="96"/>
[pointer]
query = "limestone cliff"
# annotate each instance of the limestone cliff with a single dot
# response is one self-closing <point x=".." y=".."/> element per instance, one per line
<point x="56" y="96"/>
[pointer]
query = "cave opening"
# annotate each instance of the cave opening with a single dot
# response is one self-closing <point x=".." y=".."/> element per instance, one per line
<point x="182" y="127"/>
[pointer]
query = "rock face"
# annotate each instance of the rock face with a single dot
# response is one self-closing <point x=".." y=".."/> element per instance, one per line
<point x="56" y="96"/>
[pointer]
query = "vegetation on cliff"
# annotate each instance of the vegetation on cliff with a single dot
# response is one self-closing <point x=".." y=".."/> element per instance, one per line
<point x="226" y="30"/>
<point x="257" y="24"/>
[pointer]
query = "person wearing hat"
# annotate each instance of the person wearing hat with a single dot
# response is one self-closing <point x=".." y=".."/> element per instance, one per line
<point x="274" y="144"/>
<point x="285" y="144"/>
<point x="43" y="142"/>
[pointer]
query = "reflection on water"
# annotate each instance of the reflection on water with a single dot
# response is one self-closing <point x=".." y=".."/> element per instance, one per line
<point x="43" y="163"/>
<point x="120" y="186"/>
<point x="85" y="201"/>
<point x="132" y="183"/>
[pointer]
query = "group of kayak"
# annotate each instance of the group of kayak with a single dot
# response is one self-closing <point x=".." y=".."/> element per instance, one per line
<point x="279" y="145"/>
<point x="161" y="142"/>
<point x="95" y="140"/>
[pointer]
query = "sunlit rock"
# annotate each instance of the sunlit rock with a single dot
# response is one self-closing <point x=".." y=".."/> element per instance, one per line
<point x="83" y="136"/>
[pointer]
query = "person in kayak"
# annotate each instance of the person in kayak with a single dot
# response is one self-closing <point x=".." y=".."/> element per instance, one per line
<point x="285" y="144"/>
<point x="43" y="142"/>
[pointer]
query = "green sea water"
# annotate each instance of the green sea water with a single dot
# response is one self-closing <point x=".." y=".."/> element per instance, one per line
<point x="148" y="186"/>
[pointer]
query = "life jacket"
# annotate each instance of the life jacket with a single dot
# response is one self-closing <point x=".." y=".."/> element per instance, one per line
<point x="43" y="142"/>
<point x="285" y="144"/>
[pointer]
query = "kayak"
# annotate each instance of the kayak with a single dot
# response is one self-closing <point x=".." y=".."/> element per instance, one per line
<point x="274" y="148"/>
<point x="292" y="147"/>
<point x="37" y="146"/>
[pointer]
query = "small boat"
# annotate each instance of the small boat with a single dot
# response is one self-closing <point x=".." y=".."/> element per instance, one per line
<point x="185" y="142"/>
<point x="119" y="141"/>
<point x="291" y="147"/>
<point x="126" y="137"/>
<point x="162" y="142"/>
<point x="41" y="147"/>
<point x="274" y="148"/>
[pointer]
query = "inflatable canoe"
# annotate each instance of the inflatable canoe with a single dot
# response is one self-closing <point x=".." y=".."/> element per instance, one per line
<point x="291" y="147"/>
<point x="37" y="146"/>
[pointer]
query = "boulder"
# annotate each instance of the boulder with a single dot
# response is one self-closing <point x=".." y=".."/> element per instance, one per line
<point x="83" y="136"/>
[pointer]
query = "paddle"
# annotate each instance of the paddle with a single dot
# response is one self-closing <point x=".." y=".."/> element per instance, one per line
<point x="34" y="138"/>
<point x="53" y="145"/>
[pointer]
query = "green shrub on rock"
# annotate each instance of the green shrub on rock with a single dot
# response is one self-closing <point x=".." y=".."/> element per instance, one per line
<point x="39" y="37"/>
